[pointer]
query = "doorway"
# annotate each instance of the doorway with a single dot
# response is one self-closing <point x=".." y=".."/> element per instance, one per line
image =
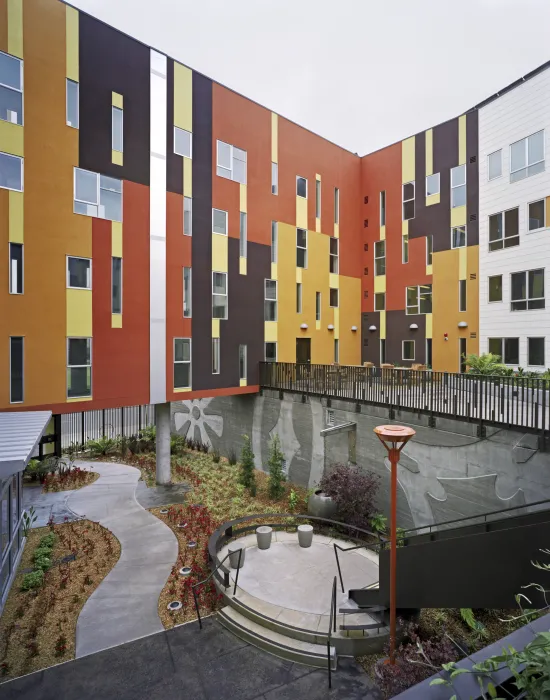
<point x="429" y="353"/>
<point x="303" y="350"/>
<point x="462" y="354"/>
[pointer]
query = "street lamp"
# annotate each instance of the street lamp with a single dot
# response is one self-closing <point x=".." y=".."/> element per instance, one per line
<point x="394" y="439"/>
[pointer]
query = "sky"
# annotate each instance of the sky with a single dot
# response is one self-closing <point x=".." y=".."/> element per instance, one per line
<point x="361" y="73"/>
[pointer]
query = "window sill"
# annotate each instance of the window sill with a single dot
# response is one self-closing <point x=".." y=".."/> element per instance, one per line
<point x="217" y="233"/>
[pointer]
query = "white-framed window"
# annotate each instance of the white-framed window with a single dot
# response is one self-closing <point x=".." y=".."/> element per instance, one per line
<point x="317" y="306"/>
<point x="242" y="362"/>
<point x="79" y="273"/>
<point x="270" y="352"/>
<point x="527" y="290"/>
<point x="380" y="301"/>
<point x="11" y="89"/>
<point x="506" y="348"/>
<point x="274" y="241"/>
<point x="458" y="237"/>
<point x="380" y="258"/>
<point x="408" y="200"/>
<point x="270" y="300"/>
<point x="298" y="297"/>
<point x="419" y="299"/>
<point x="215" y="355"/>
<point x="11" y="172"/>
<point x="16" y="268"/>
<point x="333" y="297"/>
<point x="219" y="295"/>
<point x="219" y="222"/>
<point x="183" y="142"/>
<point x="432" y="184"/>
<point x="72" y="115"/>
<point x="301" y="247"/>
<point x="504" y="229"/>
<point x="318" y="199"/>
<point x="336" y="205"/>
<point x="536" y="215"/>
<point x="187" y="216"/>
<point x="187" y="292"/>
<point x="535" y="352"/>
<point x="231" y="162"/>
<point x="495" y="288"/>
<point x="458" y="186"/>
<point x="334" y="255"/>
<point x="116" y="285"/>
<point x="182" y="363"/>
<point x="494" y="165"/>
<point x="274" y="178"/>
<point x="429" y="249"/>
<point x="407" y="349"/>
<point x="17" y="344"/>
<point x="79" y="367"/>
<point x="242" y="234"/>
<point x="301" y="186"/>
<point x="405" y="248"/>
<point x="97" y="195"/>
<point x="527" y="157"/>
<point x="117" y="129"/>
<point x="383" y="208"/>
<point x="336" y="351"/>
<point x="462" y="295"/>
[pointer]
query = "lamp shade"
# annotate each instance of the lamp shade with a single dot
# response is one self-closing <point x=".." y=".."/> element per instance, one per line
<point x="304" y="326"/>
<point x="354" y="328"/>
<point x="463" y="324"/>
<point x="393" y="435"/>
<point x="414" y="326"/>
<point x="330" y="327"/>
<point x="372" y="328"/>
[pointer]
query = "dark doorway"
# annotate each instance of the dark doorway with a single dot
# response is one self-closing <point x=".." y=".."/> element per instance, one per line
<point x="303" y="350"/>
<point x="382" y="351"/>
<point x="462" y="353"/>
<point x="429" y="352"/>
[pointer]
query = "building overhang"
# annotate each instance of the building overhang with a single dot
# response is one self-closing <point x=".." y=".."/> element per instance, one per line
<point x="20" y="433"/>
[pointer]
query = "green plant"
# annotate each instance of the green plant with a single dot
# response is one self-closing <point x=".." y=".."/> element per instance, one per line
<point x="42" y="562"/>
<point x="42" y="551"/>
<point x="247" y="477"/>
<point x="29" y="518"/>
<point x="48" y="540"/>
<point x="33" y="580"/>
<point x="232" y="457"/>
<point x="467" y="614"/>
<point x="487" y="363"/>
<point x="177" y="444"/>
<point x="100" y="447"/>
<point x="32" y="469"/>
<point x="293" y="500"/>
<point x="216" y="456"/>
<point x="275" y="463"/>
<point x="378" y="523"/>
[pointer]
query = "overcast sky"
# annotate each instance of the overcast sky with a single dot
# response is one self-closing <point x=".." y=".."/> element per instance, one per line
<point x="362" y="73"/>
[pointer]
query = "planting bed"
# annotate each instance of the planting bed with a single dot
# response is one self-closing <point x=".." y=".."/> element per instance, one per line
<point x="68" y="480"/>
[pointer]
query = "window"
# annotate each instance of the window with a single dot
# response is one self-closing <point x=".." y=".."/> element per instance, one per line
<point x="495" y="288"/>
<point x="408" y="201"/>
<point x="380" y="258"/>
<point x="494" y="165"/>
<point x="330" y="416"/>
<point x="72" y="104"/>
<point x="79" y="367"/>
<point x="231" y="162"/>
<point x="527" y="157"/>
<point x="334" y="255"/>
<point x="458" y="237"/>
<point x="187" y="216"/>
<point x="270" y="300"/>
<point x="301" y="187"/>
<point x="318" y="199"/>
<point x="298" y="297"/>
<point x="16" y="268"/>
<point x="383" y="208"/>
<point x="182" y="363"/>
<point x="271" y="352"/>
<point x="187" y="293"/>
<point x="527" y="290"/>
<point x="405" y="248"/>
<point x="317" y="306"/>
<point x="219" y="295"/>
<point x="16" y="370"/>
<point x="458" y="186"/>
<point x="336" y="205"/>
<point x="274" y="178"/>
<point x="183" y="142"/>
<point x="408" y="350"/>
<point x="97" y="195"/>
<point x="116" y="288"/>
<point x="11" y="89"/>
<point x="462" y="295"/>
<point x="504" y="229"/>
<point x="429" y="249"/>
<point x="274" y="241"/>
<point x="537" y="215"/>
<point x="117" y="128"/>
<point x="219" y="222"/>
<point x="506" y="348"/>
<point x="333" y="297"/>
<point x="380" y="301"/>
<point x="11" y="172"/>
<point x="336" y="351"/>
<point x="215" y="355"/>
<point x="535" y="352"/>
<point x="432" y="184"/>
<point x="419" y="299"/>
<point x="301" y="247"/>
<point x="79" y="273"/>
<point x="242" y="361"/>
<point x="242" y="234"/>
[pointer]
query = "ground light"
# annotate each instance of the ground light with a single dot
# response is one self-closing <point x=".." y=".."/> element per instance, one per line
<point x="394" y="438"/>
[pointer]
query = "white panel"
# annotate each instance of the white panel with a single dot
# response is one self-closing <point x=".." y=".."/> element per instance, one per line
<point x="158" y="63"/>
<point x="158" y="115"/>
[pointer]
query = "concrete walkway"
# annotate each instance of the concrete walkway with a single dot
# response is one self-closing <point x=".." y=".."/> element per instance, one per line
<point x="124" y="605"/>
<point x="47" y="505"/>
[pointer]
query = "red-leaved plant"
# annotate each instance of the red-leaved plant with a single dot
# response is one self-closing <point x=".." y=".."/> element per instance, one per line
<point x="354" y="491"/>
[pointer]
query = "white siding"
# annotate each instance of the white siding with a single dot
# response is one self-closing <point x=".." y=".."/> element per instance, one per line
<point x="519" y="113"/>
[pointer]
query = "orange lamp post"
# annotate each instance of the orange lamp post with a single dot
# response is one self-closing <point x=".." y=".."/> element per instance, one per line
<point x="394" y="438"/>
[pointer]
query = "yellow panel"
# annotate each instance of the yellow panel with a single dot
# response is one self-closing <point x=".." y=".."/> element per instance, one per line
<point x="301" y="212"/>
<point x="270" y="331"/>
<point x="405" y="228"/>
<point x="458" y="216"/>
<point x="116" y="320"/>
<point x="242" y="266"/>
<point x="117" y="158"/>
<point x="347" y="315"/>
<point x="462" y="263"/>
<point x="274" y="137"/>
<point x="242" y="198"/>
<point x="15" y="28"/>
<point x="382" y="325"/>
<point x="379" y="283"/>
<point x="407" y="160"/>
<point x="182" y="390"/>
<point x="429" y="269"/>
<point x="85" y="398"/>
<point x="433" y="199"/>
<point x="462" y="140"/>
<point x="16" y="227"/>
<point x="299" y="274"/>
<point x="117" y="100"/>
<point x="219" y="253"/>
<point x="183" y="97"/>
<point x="336" y="230"/>
<point x="382" y="233"/>
<point x="79" y="313"/>
<point x="72" y="49"/>
<point x="429" y="330"/>
<point x="187" y="177"/>
<point x="215" y="327"/>
<point x="333" y="280"/>
<point x="11" y="138"/>
<point x="317" y="325"/>
<point x="274" y="271"/>
<point x="317" y="225"/>
<point x="429" y="152"/>
<point x="242" y="382"/>
<point x="116" y="239"/>
<point x="336" y="322"/>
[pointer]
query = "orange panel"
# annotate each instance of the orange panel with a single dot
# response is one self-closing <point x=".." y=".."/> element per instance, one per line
<point x="4" y="25"/>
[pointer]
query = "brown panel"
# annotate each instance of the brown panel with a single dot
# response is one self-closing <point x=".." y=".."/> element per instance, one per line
<point x="397" y="330"/>
<point x="4" y="26"/>
<point x="370" y="340"/>
<point x="174" y="165"/>
<point x="445" y="157"/>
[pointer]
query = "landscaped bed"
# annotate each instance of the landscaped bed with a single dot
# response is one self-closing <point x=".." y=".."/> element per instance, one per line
<point x="68" y="480"/>
<point x="61" y="567"/>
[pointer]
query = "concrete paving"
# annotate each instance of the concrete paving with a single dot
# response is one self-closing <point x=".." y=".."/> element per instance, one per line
<point x="156" y="496"/>
<point x="47" y="505"/>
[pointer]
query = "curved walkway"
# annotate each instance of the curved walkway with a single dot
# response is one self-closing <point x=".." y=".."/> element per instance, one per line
<point x="124" y="605"/>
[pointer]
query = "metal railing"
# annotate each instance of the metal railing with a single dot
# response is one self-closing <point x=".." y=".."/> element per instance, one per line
<point x="513" y="401"/>
<point x="78" y="428"/>
<point x="331" y="622"/>
<point x="374" y="547"/>
<point x="201" y="583"/>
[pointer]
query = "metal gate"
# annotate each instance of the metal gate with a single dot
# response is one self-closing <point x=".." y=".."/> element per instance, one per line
<point x="78" y="428"/>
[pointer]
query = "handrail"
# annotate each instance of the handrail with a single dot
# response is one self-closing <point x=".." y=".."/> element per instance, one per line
<point x="332" y="620"/>
<point x="200" y="583"/>
<point x="347" y="549"/>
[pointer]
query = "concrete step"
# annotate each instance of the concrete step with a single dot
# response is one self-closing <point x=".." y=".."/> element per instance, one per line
<point x="275" y="643"/>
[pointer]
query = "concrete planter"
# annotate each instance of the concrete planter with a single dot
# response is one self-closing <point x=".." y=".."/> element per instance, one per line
<point x="234" y="550"/>
<point x="264" y="534"/>
<point x="305" y="535"/>
<point x="321" y="506"/>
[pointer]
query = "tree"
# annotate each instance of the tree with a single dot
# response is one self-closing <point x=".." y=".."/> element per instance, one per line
<point x="247" y="477"/>
<point x="276" y="474"/>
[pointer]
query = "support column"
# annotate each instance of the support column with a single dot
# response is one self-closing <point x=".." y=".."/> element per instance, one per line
<point x="162" y="423"/>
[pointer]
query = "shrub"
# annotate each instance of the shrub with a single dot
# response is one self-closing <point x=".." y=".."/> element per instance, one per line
<point x="247" y="477"/>
<point x="32" y="469"/>
<point x="354" y="491"/>
<point x="177" y="445"/>
<point x="101" y="446"/>
<point x="44" y="563"/>
<point x="232" y="456"/>
<point x="487" y="363"/>
<point x="42" y="551"/>
<point x="216" y="456"/>
<point x="33" y="580"/>
<point x="275" y="464"/>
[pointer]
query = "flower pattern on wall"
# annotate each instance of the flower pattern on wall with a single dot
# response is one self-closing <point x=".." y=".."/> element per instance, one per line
<point x="193" y="416"/>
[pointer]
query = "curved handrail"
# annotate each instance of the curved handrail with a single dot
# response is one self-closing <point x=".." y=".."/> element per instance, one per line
<point x="347" y="549"/>
<point x="200" y="583"/>
<point x="332" y="620"/>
